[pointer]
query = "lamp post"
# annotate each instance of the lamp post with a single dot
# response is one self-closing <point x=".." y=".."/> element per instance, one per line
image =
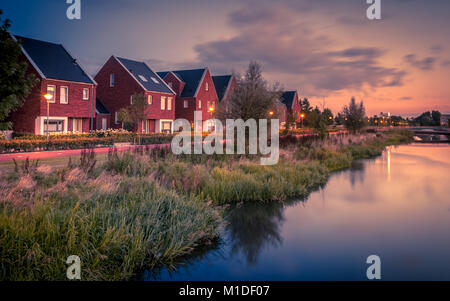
<point x="48" y="97"/>
<point x="302" y="116"/>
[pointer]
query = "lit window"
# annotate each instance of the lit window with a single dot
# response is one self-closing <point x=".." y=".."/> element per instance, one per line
<point x="54" y="126"/>
<point x="155" y="80"/>
<point x="111" y="80"/>
<point x="169" y="103"/>
<point x="166" y="127"/>
<point x="199" y="104"/>
<point x="207" y="87"/>
<point x="77" y="125"/>
<point x="143" y="78"/>
<point x="149" y="99"/>
<point x="186" y="104"/>
<point x="163" y="102"/>
<point x="52" y="91"/>
<point x="85" y="94"/>
<point x="63" y="95"/>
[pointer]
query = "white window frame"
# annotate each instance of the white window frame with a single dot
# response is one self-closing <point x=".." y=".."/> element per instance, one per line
<point x="169" y="103"/>
<point x="131" y="99"/>
<point x="116" y="117"/>
<point x="186" y="104"/>
<point x="86" y="95"/>
<point x="53" y="100"/>
<point x="112" y="80"/>
<point x="163" y="103"/>
<point x="61" y="100"/>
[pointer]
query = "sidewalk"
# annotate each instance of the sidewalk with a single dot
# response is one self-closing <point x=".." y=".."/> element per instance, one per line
<point x="72" y="152"/>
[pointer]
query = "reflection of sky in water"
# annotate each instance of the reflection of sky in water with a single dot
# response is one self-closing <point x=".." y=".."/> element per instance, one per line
<point x="396" y="206"/>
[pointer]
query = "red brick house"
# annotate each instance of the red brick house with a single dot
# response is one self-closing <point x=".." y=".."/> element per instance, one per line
<point x="224" y="85"/>
<point x="72" y="108"/>
<point x="292" y="102"/>
<point x="120" y="78"/>
<point x="195" y="92"/>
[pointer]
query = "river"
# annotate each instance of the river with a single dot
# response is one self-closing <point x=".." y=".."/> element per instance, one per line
<point x="396" y="206"/>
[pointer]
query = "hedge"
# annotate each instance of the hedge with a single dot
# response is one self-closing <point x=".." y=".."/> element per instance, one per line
<point x="54" y="144"/>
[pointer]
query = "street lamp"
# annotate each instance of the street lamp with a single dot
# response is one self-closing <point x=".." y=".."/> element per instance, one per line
<point x="271" y="113"/>
<point x="302" y="116"/>
<point x="48" y="97"/>
<point x="211" y="109"/>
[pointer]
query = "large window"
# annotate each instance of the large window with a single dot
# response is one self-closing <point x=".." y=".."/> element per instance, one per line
<point x="169" y="103"/>
<point x="163" y="102"/>
<point x="52" y="91"/>
<point x="166" y="127"/>
<point x="54" y="126"/>
<point x="64" y="95"/>
<point x="111" y="80"/>
<point x="85" y="94"/>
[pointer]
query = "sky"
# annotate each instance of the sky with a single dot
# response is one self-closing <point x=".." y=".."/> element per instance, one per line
<point x="328" y="50"/>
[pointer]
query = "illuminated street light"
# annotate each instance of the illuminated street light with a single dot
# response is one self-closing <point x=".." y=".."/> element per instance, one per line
<point x="211" y="109"/>
<point x="302" y="116"/>
<point x="48" y="97"/>
<point x="271" y="113"/>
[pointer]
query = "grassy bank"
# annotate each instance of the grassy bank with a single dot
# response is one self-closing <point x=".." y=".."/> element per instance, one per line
<point x="144" y="209"/>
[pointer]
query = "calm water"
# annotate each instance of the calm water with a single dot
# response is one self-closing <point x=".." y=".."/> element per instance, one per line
<point x="396" y="206"/>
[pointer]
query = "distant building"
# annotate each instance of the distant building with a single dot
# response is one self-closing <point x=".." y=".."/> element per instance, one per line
<point x="291" y="101"/>
<point x="195" y="91"/>
<point x="224" y="85"/>
<point x="445" y="120"/>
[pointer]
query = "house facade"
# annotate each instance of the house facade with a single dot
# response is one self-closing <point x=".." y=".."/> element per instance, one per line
<point x="120" y="78"/>
<point x="291" y="101"/>
<point x="195" y="91"/>
<point x="72" y="106"/>
<point x="224" y="84"/>
<point x="102" y="116"/>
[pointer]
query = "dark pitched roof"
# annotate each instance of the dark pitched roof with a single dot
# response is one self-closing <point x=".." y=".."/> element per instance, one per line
<point x="53" y="61"/>
<point x="288" y="98"/>
<point x="100" y="108"/>
<point x="221" y="84"/>
<point x="145" y="76"/>
<point x="191" y="78"/>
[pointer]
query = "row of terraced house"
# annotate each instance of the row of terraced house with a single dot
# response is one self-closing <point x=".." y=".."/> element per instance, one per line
<point x="80" y="103"/>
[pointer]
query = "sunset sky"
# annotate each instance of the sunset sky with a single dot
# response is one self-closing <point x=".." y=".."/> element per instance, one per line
<point x="327" y="49"/>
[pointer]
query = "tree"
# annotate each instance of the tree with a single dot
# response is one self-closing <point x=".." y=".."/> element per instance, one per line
<point x="328" y="115"/>
<point x="252" y="98"/>
<point x="14" y="85"/>
<point x="436" y="116"/>
<point x="135" y="113"/>
<point x="354" y="116"/>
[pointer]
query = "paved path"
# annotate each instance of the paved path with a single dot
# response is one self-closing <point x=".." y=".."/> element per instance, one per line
<point x="69" y="153"/>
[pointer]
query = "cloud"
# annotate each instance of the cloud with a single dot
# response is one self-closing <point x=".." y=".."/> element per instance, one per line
<point x="290" y="48"/>
<point x="445" y="63"/>
<point x="425" y="64"/>
<point x="406" y="98"/>
<point x="437" y="48"/>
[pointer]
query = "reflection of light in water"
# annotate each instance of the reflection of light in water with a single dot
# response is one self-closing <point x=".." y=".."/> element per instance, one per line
<point x="389" y="163"/>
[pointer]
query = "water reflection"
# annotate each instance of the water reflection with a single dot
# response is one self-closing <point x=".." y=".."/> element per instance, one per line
<point x="395" y="206"/>
<point x="254" y="226"/>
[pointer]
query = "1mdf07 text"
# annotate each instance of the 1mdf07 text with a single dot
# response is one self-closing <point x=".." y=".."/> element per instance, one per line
<point x="243" y="290"/>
